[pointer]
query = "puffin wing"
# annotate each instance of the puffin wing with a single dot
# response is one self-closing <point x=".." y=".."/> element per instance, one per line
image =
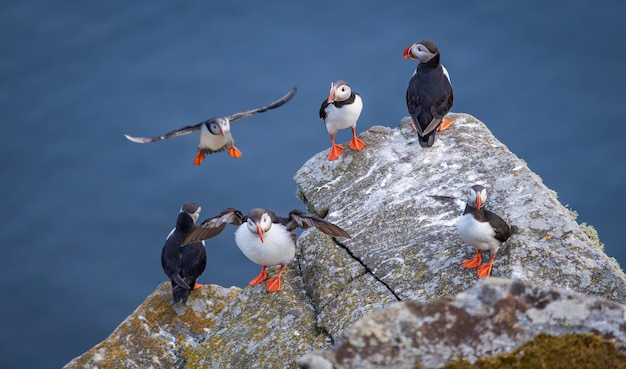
<point x="213" y="226"/>
<point x="179" y="132"/>
<point x="325" y="103"/>
<point x="414" y="107"/>
<point x="298" y="218"/>
<point x="194" y="256"/>
<point x="502" y="229"/>
<point x="273" y="105"/>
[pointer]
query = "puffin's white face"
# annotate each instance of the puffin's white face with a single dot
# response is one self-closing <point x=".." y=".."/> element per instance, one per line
<point x="219" y="126"/>
<point x="264" y="225"/>
<point x="421" y="52"/>
<point x="196" y="214"/>
<point x="339" y="92"/>
<point x="477" y="196"/>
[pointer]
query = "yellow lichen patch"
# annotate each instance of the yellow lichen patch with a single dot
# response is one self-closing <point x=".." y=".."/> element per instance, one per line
<point x="159" y="333"/>
<point x="580" y="351"/>
<point x="592" y="233"/>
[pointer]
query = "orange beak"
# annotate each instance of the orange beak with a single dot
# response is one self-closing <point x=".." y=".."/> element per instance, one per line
<point x="407" y="53"/>
<point x="222" y="130"/>
<point x="260" y="232"/>
<point x="478" y="202"/>
<point x="331" y="95"/>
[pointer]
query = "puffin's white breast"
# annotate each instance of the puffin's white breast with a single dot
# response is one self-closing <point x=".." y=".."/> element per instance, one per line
<point x="344" y="117"/>
<point x="477" y="234"/>
<point x="278" y="247"/>
<point x="211" y="141"/>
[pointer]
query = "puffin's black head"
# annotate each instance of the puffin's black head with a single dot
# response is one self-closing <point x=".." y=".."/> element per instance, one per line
<point x="189" y="211"/>
<point x="339" y="91"/>
<point x="476" y="196"/>
<point x="259" y="221"/>
<point x="424" y="50"/>
<point x="218" y="126"/>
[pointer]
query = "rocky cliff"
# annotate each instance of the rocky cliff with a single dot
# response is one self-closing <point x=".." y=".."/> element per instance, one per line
<point x="384" y="297"/>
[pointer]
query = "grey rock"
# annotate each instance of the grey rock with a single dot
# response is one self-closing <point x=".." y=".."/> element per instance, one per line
<point x="159" y="334"/>
<point x="400" y="203"/>
<point x="494" y="317"/>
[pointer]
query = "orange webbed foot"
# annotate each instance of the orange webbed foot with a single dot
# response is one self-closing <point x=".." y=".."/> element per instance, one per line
<point x="445" y="123"/>
<point x="234" y="152"/>
<point x="259" y="278"/>
<point x="273" y="285"/>
<point x="197" y="285"/>
<point x="485" y="270"/>
<point x="356" y="144"/>
<point x="199" y="158"/>
<point x="335" y="152"/>
<point x="473" y="263"/>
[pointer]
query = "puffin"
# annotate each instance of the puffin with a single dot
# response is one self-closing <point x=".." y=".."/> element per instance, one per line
<point x="264" y="237"/>
<point x="183" y="265"/>
<point x="429" y="96"/>
<point x="215" y="135"/>
<point x="482" y="229"/>
<point x="341" y="110"/>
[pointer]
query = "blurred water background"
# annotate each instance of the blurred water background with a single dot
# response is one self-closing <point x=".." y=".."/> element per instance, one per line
<point x="85" y="212"/>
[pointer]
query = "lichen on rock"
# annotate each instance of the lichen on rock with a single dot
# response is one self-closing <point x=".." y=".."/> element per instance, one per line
<point x="396" y="289"/>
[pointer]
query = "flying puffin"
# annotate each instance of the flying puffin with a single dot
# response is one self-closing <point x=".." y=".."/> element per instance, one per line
<point x="482" y="229"/>
<point x="429" y="95"/>
<point x="264" y="237"/>
<point x="341" y="110"/>
<point x="215" y="133"/>
<point x="183" y="265"/>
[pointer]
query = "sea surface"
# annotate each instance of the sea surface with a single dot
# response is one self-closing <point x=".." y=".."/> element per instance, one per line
<point x="85" y="212"/>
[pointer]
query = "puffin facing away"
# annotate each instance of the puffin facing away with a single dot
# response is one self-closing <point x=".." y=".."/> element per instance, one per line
<point x="183" y="265"/>
<point x="264" y="237"/>
<point x="429" y="95"/>
<point x="215" y="133"/>
<point x="341" y="110"/>
<point x="482" y="229"/>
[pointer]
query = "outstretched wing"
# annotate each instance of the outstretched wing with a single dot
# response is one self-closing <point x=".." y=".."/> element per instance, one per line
<point x="273" y="105"/>
<point x="179" y="132"/>
<point x="298" y="218"/>
<point x="213" y="226"/>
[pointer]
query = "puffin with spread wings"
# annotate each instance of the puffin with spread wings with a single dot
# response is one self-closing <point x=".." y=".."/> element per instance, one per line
<point x="215" y="133"/>
<point x="264" y="237"/>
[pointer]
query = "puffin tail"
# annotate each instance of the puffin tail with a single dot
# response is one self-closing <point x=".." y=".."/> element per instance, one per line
<point x="514" y="229"/>
<point x="428" y="140"/>
<point x="180" y="294"/>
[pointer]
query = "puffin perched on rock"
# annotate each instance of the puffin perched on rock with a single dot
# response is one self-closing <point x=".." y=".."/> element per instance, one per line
<point x="264" y="237"/>
<point x="215" y="133"/>
<point x="429" y="96"/>
<point x="482" y="229"/>
<point x="183" y="265"/>
<point x="341" y="110"/>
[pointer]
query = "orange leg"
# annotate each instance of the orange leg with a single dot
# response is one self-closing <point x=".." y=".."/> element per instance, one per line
<point x="473" y="263"/>
<point x="259" y="278"/>
<point x="414" y="128"/>
<point x="355" y="143"/>
<point x="273" y="285"/>
<point x="485" y="270"/>
<point x="234" y="152"/>
<point x="335" y="150"/>
<point x="199" y="158"/>
<point x="445" y="123"/>
<point x="197" y="285"/>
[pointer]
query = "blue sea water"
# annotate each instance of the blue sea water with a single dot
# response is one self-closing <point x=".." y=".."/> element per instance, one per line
<point x="85" y="212"/>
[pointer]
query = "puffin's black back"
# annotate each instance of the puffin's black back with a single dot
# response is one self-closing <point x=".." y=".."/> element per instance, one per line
<point x="502" y="229"/>
<point x="429" y="96"/>
<point x="183" y="265"/>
